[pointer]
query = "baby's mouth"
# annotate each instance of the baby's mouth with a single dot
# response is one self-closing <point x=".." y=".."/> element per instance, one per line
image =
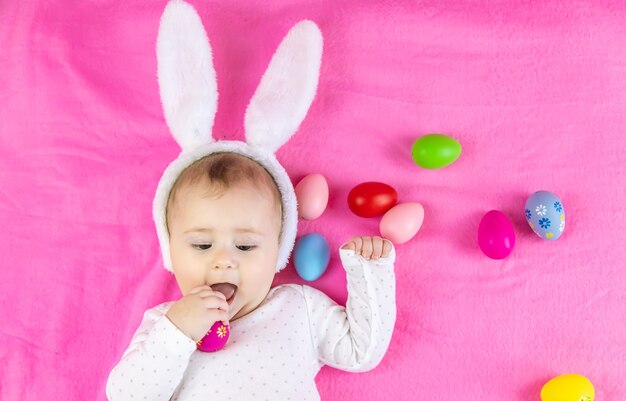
<point x="229" y="290"/>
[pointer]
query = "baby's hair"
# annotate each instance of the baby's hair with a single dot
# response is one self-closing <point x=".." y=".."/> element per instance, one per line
<point x="223" y="170"/>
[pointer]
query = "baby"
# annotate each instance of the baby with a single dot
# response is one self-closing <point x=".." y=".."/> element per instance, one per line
<point x="224" y="219"/>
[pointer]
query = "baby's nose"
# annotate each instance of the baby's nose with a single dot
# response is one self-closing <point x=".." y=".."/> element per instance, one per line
<point x="223" y="264"/>
<point x="223" y="260"/>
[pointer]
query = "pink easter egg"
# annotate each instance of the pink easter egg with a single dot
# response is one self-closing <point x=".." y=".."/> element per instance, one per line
<point x="402" y="222"/>
<point x="496" y="237"/>
<point x="312" y="196"/>
<point x="215" y="339"/>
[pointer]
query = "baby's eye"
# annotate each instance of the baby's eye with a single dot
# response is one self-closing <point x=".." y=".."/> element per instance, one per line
<point x="246" y="247"/>
<point x="201" y="247"/>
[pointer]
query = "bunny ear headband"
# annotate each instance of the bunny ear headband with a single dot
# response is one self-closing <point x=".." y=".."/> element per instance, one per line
<point x="188" y="89"/>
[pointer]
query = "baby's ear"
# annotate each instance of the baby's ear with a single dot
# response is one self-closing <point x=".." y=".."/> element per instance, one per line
<point x="186" y="75"/>
<point x="287" y="88"/>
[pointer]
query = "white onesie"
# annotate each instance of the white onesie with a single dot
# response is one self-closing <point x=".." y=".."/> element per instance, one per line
<point x="274" y="352"/>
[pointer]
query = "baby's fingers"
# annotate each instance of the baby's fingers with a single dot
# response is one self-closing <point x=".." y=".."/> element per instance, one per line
<point x="220" y="306"/>
<point x="387" y="246"/>
<point x="224" y="318"/>
<point x="219" y="315"/>
<point x="368" y="247"/>
<point x="349" y="245"/>
<point x="377" y="247"/>
<point x="198" y="289"/>
<point x="215" y="303"/>
<point x="210" y="293"/>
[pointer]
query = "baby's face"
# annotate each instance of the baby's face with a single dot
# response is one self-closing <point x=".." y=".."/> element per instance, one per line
<point x="233" y="238"/>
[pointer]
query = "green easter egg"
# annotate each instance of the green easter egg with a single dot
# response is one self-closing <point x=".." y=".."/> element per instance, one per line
<point x="434" y="151"/>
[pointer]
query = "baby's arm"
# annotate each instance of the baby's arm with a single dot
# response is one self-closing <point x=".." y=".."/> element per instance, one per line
<point x="355" y="338"/>
<point x="153" y="365"/>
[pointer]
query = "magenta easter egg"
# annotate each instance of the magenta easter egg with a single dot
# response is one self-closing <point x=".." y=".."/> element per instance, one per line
<point x="496" y="236"/>
<point x="312" y="195"/>
<point x="402" y="222"/>
<point x="215" y="338"/>
<point x="370" y="199"/>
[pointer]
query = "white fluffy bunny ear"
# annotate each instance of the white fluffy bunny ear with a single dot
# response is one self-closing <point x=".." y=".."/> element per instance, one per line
<point x="186" y="75"/>
<point x="287" y="88"/>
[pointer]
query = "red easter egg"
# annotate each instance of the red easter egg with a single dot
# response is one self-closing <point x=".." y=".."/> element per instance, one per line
<point x="370" y="199"/>
<point x="215" y="338"/>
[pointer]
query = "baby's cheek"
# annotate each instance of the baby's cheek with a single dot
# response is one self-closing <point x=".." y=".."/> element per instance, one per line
<point x="187" y="280"/>
<point x="261" y="281"/>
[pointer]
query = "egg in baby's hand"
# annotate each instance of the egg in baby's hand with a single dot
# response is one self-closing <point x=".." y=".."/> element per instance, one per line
<point x="215" y="339"/>
<point x="545" y="214"/>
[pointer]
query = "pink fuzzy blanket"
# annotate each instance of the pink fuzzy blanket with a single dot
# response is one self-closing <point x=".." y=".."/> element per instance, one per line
<point x="534" y="91"/>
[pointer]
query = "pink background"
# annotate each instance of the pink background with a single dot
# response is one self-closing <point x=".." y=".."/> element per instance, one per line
<point x="534" y="91"/>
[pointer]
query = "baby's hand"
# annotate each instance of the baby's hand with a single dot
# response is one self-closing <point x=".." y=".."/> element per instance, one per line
<point x="369" y="247"/>
<point x="195" y="313"/>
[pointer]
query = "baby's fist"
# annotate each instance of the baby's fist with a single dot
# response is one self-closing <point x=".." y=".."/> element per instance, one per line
<point x="369" y="247"/>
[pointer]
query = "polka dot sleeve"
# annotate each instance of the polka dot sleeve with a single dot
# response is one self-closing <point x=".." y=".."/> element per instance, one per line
<point x="153" y="365"/>
<point x="355" y="338"/>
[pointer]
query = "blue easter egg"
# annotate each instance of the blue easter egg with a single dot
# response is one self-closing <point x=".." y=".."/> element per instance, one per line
<point x="311" y="256"/>
<point x="545" y="214"/>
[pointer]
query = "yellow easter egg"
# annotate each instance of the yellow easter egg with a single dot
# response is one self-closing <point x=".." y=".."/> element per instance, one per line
<point x="570" y="387"/>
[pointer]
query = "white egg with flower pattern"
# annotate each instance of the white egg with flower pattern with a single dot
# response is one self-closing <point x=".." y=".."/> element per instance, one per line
<point x="545" y="214"/>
